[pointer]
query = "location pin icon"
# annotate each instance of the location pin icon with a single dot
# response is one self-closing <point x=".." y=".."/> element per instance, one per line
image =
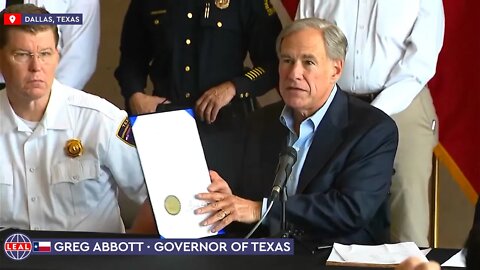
<point x="12" y="18"/>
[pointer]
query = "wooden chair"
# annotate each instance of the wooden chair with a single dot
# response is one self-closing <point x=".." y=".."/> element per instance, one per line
<point x="434" y="199"/>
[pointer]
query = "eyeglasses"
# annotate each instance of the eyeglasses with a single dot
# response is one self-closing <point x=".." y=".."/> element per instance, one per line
<point x="25" y="57"/>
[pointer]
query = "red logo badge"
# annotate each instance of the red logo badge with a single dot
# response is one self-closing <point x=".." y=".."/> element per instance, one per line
<point x="17" y="246"/>
<point x="12" y="19"/>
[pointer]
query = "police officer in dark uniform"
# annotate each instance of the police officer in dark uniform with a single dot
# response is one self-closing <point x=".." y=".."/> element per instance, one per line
<point x="194" y="51"/>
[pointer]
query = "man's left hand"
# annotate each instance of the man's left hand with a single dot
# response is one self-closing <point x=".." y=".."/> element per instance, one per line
<point x="215" y="98"/>
<point x="226" y="207"/>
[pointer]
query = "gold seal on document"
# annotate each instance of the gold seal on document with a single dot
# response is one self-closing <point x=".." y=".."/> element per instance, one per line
<point x="74" y="148"/>
<point x="172" y="205"/>
<point x="222" y="4"/>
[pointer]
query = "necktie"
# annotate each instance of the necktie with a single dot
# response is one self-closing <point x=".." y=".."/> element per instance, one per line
<point x="13" y="2"/>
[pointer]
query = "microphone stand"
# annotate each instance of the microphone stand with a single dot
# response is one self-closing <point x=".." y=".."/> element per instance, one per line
<point x="283" y="199"/>
<point x="287" y="159"/>
<point x="284" y="233"/>
<point x="288" y="232"/>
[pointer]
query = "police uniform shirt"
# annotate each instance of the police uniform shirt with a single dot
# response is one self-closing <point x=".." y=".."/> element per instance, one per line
<point x="43" y="188"/>
<point x="187" y="47"/>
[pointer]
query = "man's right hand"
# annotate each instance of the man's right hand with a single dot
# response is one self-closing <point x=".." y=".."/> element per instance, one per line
<point x="142" y="103"/>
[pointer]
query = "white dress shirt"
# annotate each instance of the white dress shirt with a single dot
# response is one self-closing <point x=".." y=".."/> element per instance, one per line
<point x="42" y="188"/>
<point x="78" y="44"/>
<point x="393" y="46"/>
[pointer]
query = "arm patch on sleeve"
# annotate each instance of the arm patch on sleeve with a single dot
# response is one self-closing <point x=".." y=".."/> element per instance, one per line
<point x="125" y="133"/>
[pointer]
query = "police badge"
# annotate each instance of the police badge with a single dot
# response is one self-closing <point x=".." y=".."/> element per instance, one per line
<point x="222" y="4"/>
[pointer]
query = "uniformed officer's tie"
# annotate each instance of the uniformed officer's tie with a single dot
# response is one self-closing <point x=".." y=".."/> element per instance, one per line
<point x="13" y="2"/>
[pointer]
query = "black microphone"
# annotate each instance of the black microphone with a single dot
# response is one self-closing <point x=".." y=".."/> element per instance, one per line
<point x="286" y="160"/>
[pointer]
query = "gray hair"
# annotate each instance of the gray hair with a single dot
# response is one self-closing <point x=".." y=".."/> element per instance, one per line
<point x="335" y="41"/>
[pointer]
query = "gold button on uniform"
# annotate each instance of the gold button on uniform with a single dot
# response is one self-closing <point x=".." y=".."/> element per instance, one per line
<point x="156" y="22"/>
<point x="241" y="95"/>
<point x="246" y="94"/>
<point x="187" y="68"/>
<point x="189" y="15"/>
<point x="188" y="41"/>
<point x="187" y="95"/>
<point x="219" y="24"/>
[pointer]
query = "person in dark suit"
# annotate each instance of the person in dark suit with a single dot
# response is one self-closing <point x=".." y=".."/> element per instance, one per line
<point x="338" y="189"/>
<point x="472" y="246"/>
<point x="476" y="217"/>
<point x="193" y="51"/>
<point x="471" y="251"/>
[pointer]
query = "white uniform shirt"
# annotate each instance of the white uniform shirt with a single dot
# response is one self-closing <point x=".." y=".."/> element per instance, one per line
<point x="393" y="46"/>
<point x="78" y="44"/>
<point x="41" y="188"/>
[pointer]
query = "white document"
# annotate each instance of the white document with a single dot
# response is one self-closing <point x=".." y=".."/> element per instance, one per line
<point x="388" y="254"/>
<point x="426" y="251"/>
<point x="175" y="170"/>
<point x="457" y="260"/>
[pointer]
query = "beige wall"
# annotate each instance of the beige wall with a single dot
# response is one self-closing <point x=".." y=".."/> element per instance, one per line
<point x="103" y="83"/>
<point x="455" y="211"/>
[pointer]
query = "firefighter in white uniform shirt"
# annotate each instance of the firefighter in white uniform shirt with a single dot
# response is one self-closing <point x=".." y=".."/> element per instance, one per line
<point x="64" y="153"/>
<point x="78" y="44"/>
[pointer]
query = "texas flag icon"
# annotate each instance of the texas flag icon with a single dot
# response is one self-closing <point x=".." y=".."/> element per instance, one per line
<point x="42" y="246"/>
<point x="12" y="19"/>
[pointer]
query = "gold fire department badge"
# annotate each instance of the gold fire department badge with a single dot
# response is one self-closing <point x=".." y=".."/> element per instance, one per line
<point x="74" y="148"/>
